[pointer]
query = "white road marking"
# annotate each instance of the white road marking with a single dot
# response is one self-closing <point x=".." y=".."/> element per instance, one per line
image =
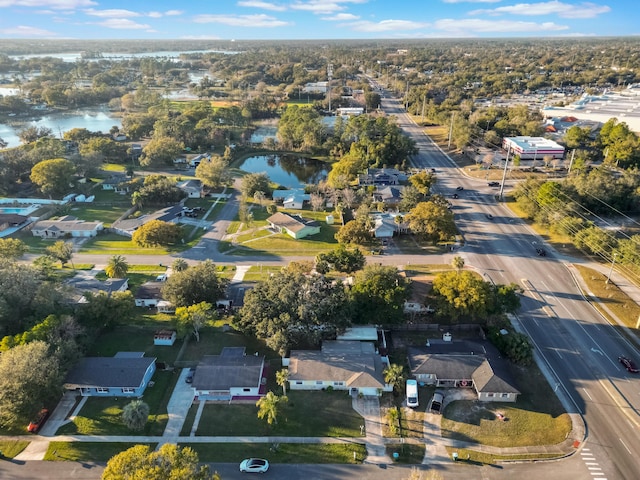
<point x="558" y="352"/>
<point x="625" y="446"/>
<point x="587" y="393"/>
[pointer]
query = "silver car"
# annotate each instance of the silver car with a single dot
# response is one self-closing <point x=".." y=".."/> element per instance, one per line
<point x="254" y="465"/>
<point x="435" y="406"/>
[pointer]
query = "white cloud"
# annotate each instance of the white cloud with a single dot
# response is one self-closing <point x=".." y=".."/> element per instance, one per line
<point x="384" y="25"/>
<point x="199" y="37"/>
<point x="563" y="10"/>
<point x="341" y="17"/>
<point x="54" y="4"/>
<point x="173" y="13"/>
<point x="27" y="31"/>
<point x="471" y="1"/>
<point x="154" y="14"/>
<point x="123" y="24"/>
<point x="323" y="7"/>
<point x="263" y="5"/>
<point x="241" y="20"/>
<point x="470" y="26"/>
<point x="111" y="13"/>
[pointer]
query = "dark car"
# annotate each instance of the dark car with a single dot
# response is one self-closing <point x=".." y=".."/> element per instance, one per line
<point x="628" y="364"/>
<point x="37" y="422"/>
<point x="494" y="184"/>
<point x="459" y="188"/>
<point x="433" y="170"/>
<point x="489" y="216"/>
<point x="189" y="377"/>
<point x="541" y="252"/>
<point x="455" y="195"/>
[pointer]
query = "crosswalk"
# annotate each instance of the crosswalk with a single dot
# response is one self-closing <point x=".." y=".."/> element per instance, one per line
<point x="592" y="465"/>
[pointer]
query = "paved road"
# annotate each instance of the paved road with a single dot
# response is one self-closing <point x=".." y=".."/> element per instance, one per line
<point x="577" y="343"/>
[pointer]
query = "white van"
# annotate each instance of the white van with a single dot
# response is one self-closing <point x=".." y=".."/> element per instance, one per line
<point x="412" y="393"/>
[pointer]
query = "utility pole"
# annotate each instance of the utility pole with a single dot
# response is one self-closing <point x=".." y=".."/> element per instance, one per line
<point x="424" y="100"/>
<point x="504" y="174"/>
<point x="450" y="131"/>
<point x="573" y="154"/>
<point x="329" y="76"/>
<point x="613" y="261"/>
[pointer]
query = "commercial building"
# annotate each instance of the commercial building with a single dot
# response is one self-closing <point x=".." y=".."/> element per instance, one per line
<point x="532" y="148"/>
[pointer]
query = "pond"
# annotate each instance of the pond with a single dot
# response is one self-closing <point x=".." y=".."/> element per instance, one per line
<point x="95" y="120"/>
<point x="289" y="171"/>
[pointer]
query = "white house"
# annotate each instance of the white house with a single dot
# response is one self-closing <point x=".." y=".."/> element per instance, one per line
<point x="193" y="188"/>
<point x="293" y="199"/>
<point x="294" y="226"/>
<point x="66" y="226"/>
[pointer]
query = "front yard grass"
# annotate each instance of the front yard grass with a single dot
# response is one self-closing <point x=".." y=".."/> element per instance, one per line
<point x="537" y="418"/>
<point x="407" y="452"/>
<point x="11" y="448"/>
<point x="87" y="451"/>
<point x="306" y="414"/>
<point x="103" y="415"/>
<point x="112" y="244"/>
<point x="280" y="453"/>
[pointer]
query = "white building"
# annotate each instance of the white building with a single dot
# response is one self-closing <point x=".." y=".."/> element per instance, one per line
<point x="532" y="148"/>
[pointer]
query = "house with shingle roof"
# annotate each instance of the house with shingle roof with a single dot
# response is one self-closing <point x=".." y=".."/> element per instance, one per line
<point x="294" y="198"/>
<point x="193" y="188"/>
<point x="293" y="225"/>
<point x="128" y="226"/>
<point x="342" y="365"/>
<point x="66" y="226"/>
<point x="127" y="374"/>
<point x="232" y="375"/>
<point x="463" y="365"/>
<point x="82" y="284"/>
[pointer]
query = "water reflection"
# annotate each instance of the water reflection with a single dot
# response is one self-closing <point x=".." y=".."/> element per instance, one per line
<point x="290" y="171"/>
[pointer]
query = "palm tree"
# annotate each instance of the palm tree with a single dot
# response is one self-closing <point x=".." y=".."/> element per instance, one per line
<point x="457" y="263"/>
<point x="394" y="375"/>
<point x="282" y="377"/>
<point x="268" y="407"/>
<point x="135" y="415"/>
<point x="117" y="267"/>
<point x="179" y="265"/>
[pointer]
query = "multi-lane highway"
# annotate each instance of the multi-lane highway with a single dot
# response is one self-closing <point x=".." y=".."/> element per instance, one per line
<point x="577" y="344"/>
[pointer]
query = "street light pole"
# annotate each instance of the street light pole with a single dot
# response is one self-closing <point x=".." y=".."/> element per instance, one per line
<point x="613" y="261"/>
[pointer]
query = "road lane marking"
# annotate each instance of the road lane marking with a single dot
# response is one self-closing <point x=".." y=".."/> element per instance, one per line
<point x="587" y="393"/>
<point x="625" y="446"/>
<point x="556" y="350"/>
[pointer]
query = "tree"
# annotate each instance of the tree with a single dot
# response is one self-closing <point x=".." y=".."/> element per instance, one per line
<point x="317" y="202"/>
<point x="102" y="310"/>
<point x="255" y="182"/>
<point x="117" y="267"/>
<point x="29" y="378"/>
<point x="268" y="407"/>
<point x="282" y="377"/>
<point x="462" y="294"/>
<point x="356" y="232"/>
<point x="423" y="181"/>
<point x="341" y="260"/>
<point x="291" y="309"/>
<point x="192" y="318"/>
<point x="213" y="172"/>
<point x="378" y="295"/>
<point x="34" y="133"/>
<point x="169" y="462"/>
<point x="53" y="176"/>
<point x="179" y="265"/>
<point x="432" y="221"/>
<point x="135" y="415"/>
<point x="61" y="251"/>
<point x="394" y="375"/>
<point x="157" y="233"/>
<point x="161" y="151"/>
<point x="200" y="283"/>
<point x="12" y="248"/>
<point x="457" y="263"/>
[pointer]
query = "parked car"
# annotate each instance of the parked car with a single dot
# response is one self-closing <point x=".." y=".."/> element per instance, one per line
<point x="455" y="195"/>
<point x="493" y="184"/>
<point x="36" y="423"/>
<point x="435" y="406"/>
<point x="161" y="278"/>
<point x="628" y="364"/>
<point x="189" y="377"/>
<point x="254" y="465"/>
<point x="459" y="188"/>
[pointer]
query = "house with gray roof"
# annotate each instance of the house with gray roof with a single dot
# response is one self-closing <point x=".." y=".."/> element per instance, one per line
<point x="148" y="294"/>
<point x="293" y="225"/>
<point x="294" y="198"/>
<point x="342" y="365"/>
<point x="128" y="226"/>
<point x="463" y="365"/>
<point x="127" y="374"/>
<point x="66" y="226"/>
<point x="193" y="188"/>
<point x="232" y="375"/>
<point x="82" y="284"/>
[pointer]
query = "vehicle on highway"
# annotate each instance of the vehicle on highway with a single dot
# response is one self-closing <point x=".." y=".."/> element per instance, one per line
<point x="435" y="406"/>
<point x="541" y="252"/>
<point x="433" y="170"/>
<point x="37" y="422"/>
<point x="412" y="393"/>
<point x="254" y="465"/>
<point x="628" y="364"/>
<point x="493" y="184"/>
<point x="489" y="216"/>
<point x="459" y="188"/>
<point x="455" y="195"/>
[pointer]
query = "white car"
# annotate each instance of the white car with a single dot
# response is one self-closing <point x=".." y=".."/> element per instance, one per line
<point x="254" y="465"/>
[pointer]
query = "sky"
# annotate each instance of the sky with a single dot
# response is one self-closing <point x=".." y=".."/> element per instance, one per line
<point x="315" y="19"/>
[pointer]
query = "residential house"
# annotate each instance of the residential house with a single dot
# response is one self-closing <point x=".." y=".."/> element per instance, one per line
<point x="382" y="176"/>
<point x="82" y="284"/>
<point x="316" y="87"/>
<point x="148" y="294"/>
<point x="127" y="374"/>
<point x="293" y="225"/>
<point x="342" y="365"/>
<point x="12" y="220"/>
<point x="384" y="227"/>
<point x="291" y="199"/>
<point x="66" y="226"/>
<point x="463" y="365"/>
<point x="390" y="196"/>
<point x="116" y="183"/>
<point x="232" y="375"/>
<point x="193" y="188"/>
<point x="128" y="226"/>
<point x="119" y="137"/>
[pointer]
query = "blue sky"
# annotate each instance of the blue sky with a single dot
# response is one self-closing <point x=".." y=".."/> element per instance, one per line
<point x="315" y="19"/>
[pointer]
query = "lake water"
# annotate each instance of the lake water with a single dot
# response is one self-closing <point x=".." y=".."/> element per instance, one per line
<point x="262" y="133"/>
<point x="287" y="170"/>
<point x="95" y="120"/>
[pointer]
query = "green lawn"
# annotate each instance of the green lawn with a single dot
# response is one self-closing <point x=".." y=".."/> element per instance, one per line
<point x="307" y="414"/>
<point x="87" y="451"/>
<point x="11" y="448"/>
<point x="102" y="416"/>
<point x="406" y="452"/>
<point x="134" y="338"/>
<point x="212" y="340"/>
<point x="280" y="453"/>
<point x="106" y="213"/>
<point x="113" y="244"/>
<point x="471" y="457"/>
